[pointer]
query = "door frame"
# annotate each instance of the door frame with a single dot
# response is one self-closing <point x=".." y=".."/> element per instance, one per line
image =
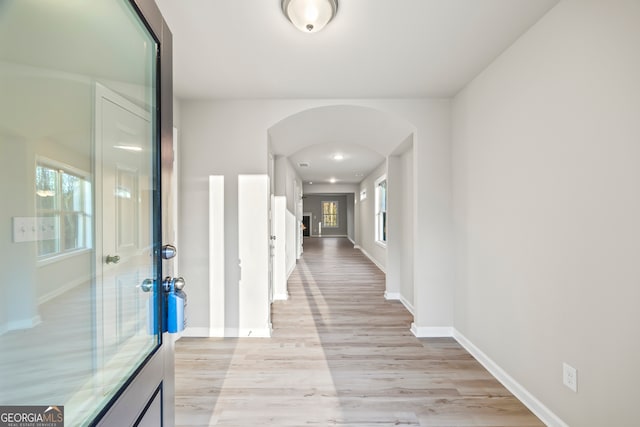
<point x="310" y="215"/>
<point x="155" y="375"/>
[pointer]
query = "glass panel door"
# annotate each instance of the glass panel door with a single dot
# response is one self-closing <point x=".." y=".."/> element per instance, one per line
<point x="79" y="222"/>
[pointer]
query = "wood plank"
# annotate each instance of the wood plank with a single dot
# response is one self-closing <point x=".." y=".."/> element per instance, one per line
<point x="340" y="355"/>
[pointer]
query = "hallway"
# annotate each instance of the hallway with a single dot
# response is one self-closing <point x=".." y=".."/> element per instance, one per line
<point x="340" y="355"/>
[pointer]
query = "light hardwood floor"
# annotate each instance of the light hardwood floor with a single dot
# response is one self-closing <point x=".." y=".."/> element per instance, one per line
<point x="340" y="355"/>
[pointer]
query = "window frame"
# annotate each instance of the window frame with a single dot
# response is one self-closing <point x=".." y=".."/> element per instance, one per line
<point x="337" y="214"/>
<point x="59" y="212"/>
<point x="381" y="219"/>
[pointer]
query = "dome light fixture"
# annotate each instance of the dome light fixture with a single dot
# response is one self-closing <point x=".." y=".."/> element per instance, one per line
<point x="309" y="16"/>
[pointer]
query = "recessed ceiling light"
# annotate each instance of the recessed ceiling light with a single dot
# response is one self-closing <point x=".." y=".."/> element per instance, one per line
<point x="310" y="182"/>
<point x="332" y="180"/>
<point x="358" y="174"/>
<point x="338" y="157"/>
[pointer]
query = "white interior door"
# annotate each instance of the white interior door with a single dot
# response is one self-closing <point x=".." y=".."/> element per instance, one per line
<point x="125" y="251"/>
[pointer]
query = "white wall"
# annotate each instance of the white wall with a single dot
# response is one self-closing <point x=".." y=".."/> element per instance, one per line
<point x="290" y="231"/>
<point x="546" y="203"/>
<point x="351" y="220"/>
<point x="407" y="229"/>
<point x="230" y="137"/>
<point x="376" y="252"/>
<point x="286" y="178"/>
<point x="279" y="248"/>
<point x="330" y="188"/>
<point x="253" y="258"/>
<point x="288" y="184"/>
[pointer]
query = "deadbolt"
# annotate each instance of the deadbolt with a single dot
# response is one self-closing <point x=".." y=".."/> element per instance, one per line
<point x="169" y="251"/>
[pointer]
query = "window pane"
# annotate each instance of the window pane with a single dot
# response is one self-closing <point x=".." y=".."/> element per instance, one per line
<point x="71" y="193"/>
<point x="46" y="188"/>
<point x="72" y="225"/>
<point x="330" y="214"/>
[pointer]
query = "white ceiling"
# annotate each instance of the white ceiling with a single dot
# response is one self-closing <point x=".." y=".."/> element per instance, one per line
<point x="364" y="137"/>
<point x="230" y="49"/>
<point x="357" y="162"/>
<point x="372" y="49"/>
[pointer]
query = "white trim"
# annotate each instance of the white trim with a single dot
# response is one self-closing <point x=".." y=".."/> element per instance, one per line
<point x="396" y="296"/>
<point x="281" y="297"/>
<point x="15" y="325"/>
<point x="351" y="240"/>
<point x="407" y="305"/>
<point x="190" y="331"/>
<point x="521" y="393"/>
<point x="376" y="217"/>
<point x="63" y="289"/>
<point x="372" y="259"/>
<point x="392" y="296"/>
<point x="330" y="235"/>
<point x="216" y="253"/>
<point x="431" y="331"/>
<point x="61" y="256"/>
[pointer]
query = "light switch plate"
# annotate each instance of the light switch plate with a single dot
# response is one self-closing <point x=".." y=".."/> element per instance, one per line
<point x="24" y="229"/>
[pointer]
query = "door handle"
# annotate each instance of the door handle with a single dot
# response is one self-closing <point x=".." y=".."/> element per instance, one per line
<point x="112" y="259"/>
<point x="171" y="284"/>
<point x="147" y="285"/>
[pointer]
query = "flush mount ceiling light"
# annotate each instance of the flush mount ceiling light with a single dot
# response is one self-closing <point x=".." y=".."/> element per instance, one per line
<point x="338" y="157"/>
<point x="309" y="16"/>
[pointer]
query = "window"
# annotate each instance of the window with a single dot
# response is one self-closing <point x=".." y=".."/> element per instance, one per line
<point x="330" y="214"/>
<point x="381" y="210"/>
<point x="63" y="207"/>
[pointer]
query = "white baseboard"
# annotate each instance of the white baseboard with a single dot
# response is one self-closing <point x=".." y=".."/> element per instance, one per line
<point x="407" y="305"/>
<point x="372" y="259"/>
<point x="281" y="297"/>
<point x="190" y="331"/>
<point x="62" y="289"/>
<point x="351" y="240"/>
<point x="392" y="296"/>
<point x="431" y="331"/>
<point x="534" y="405"/>
<point x="330" y="235"/>
<point x="397" y="296"/>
